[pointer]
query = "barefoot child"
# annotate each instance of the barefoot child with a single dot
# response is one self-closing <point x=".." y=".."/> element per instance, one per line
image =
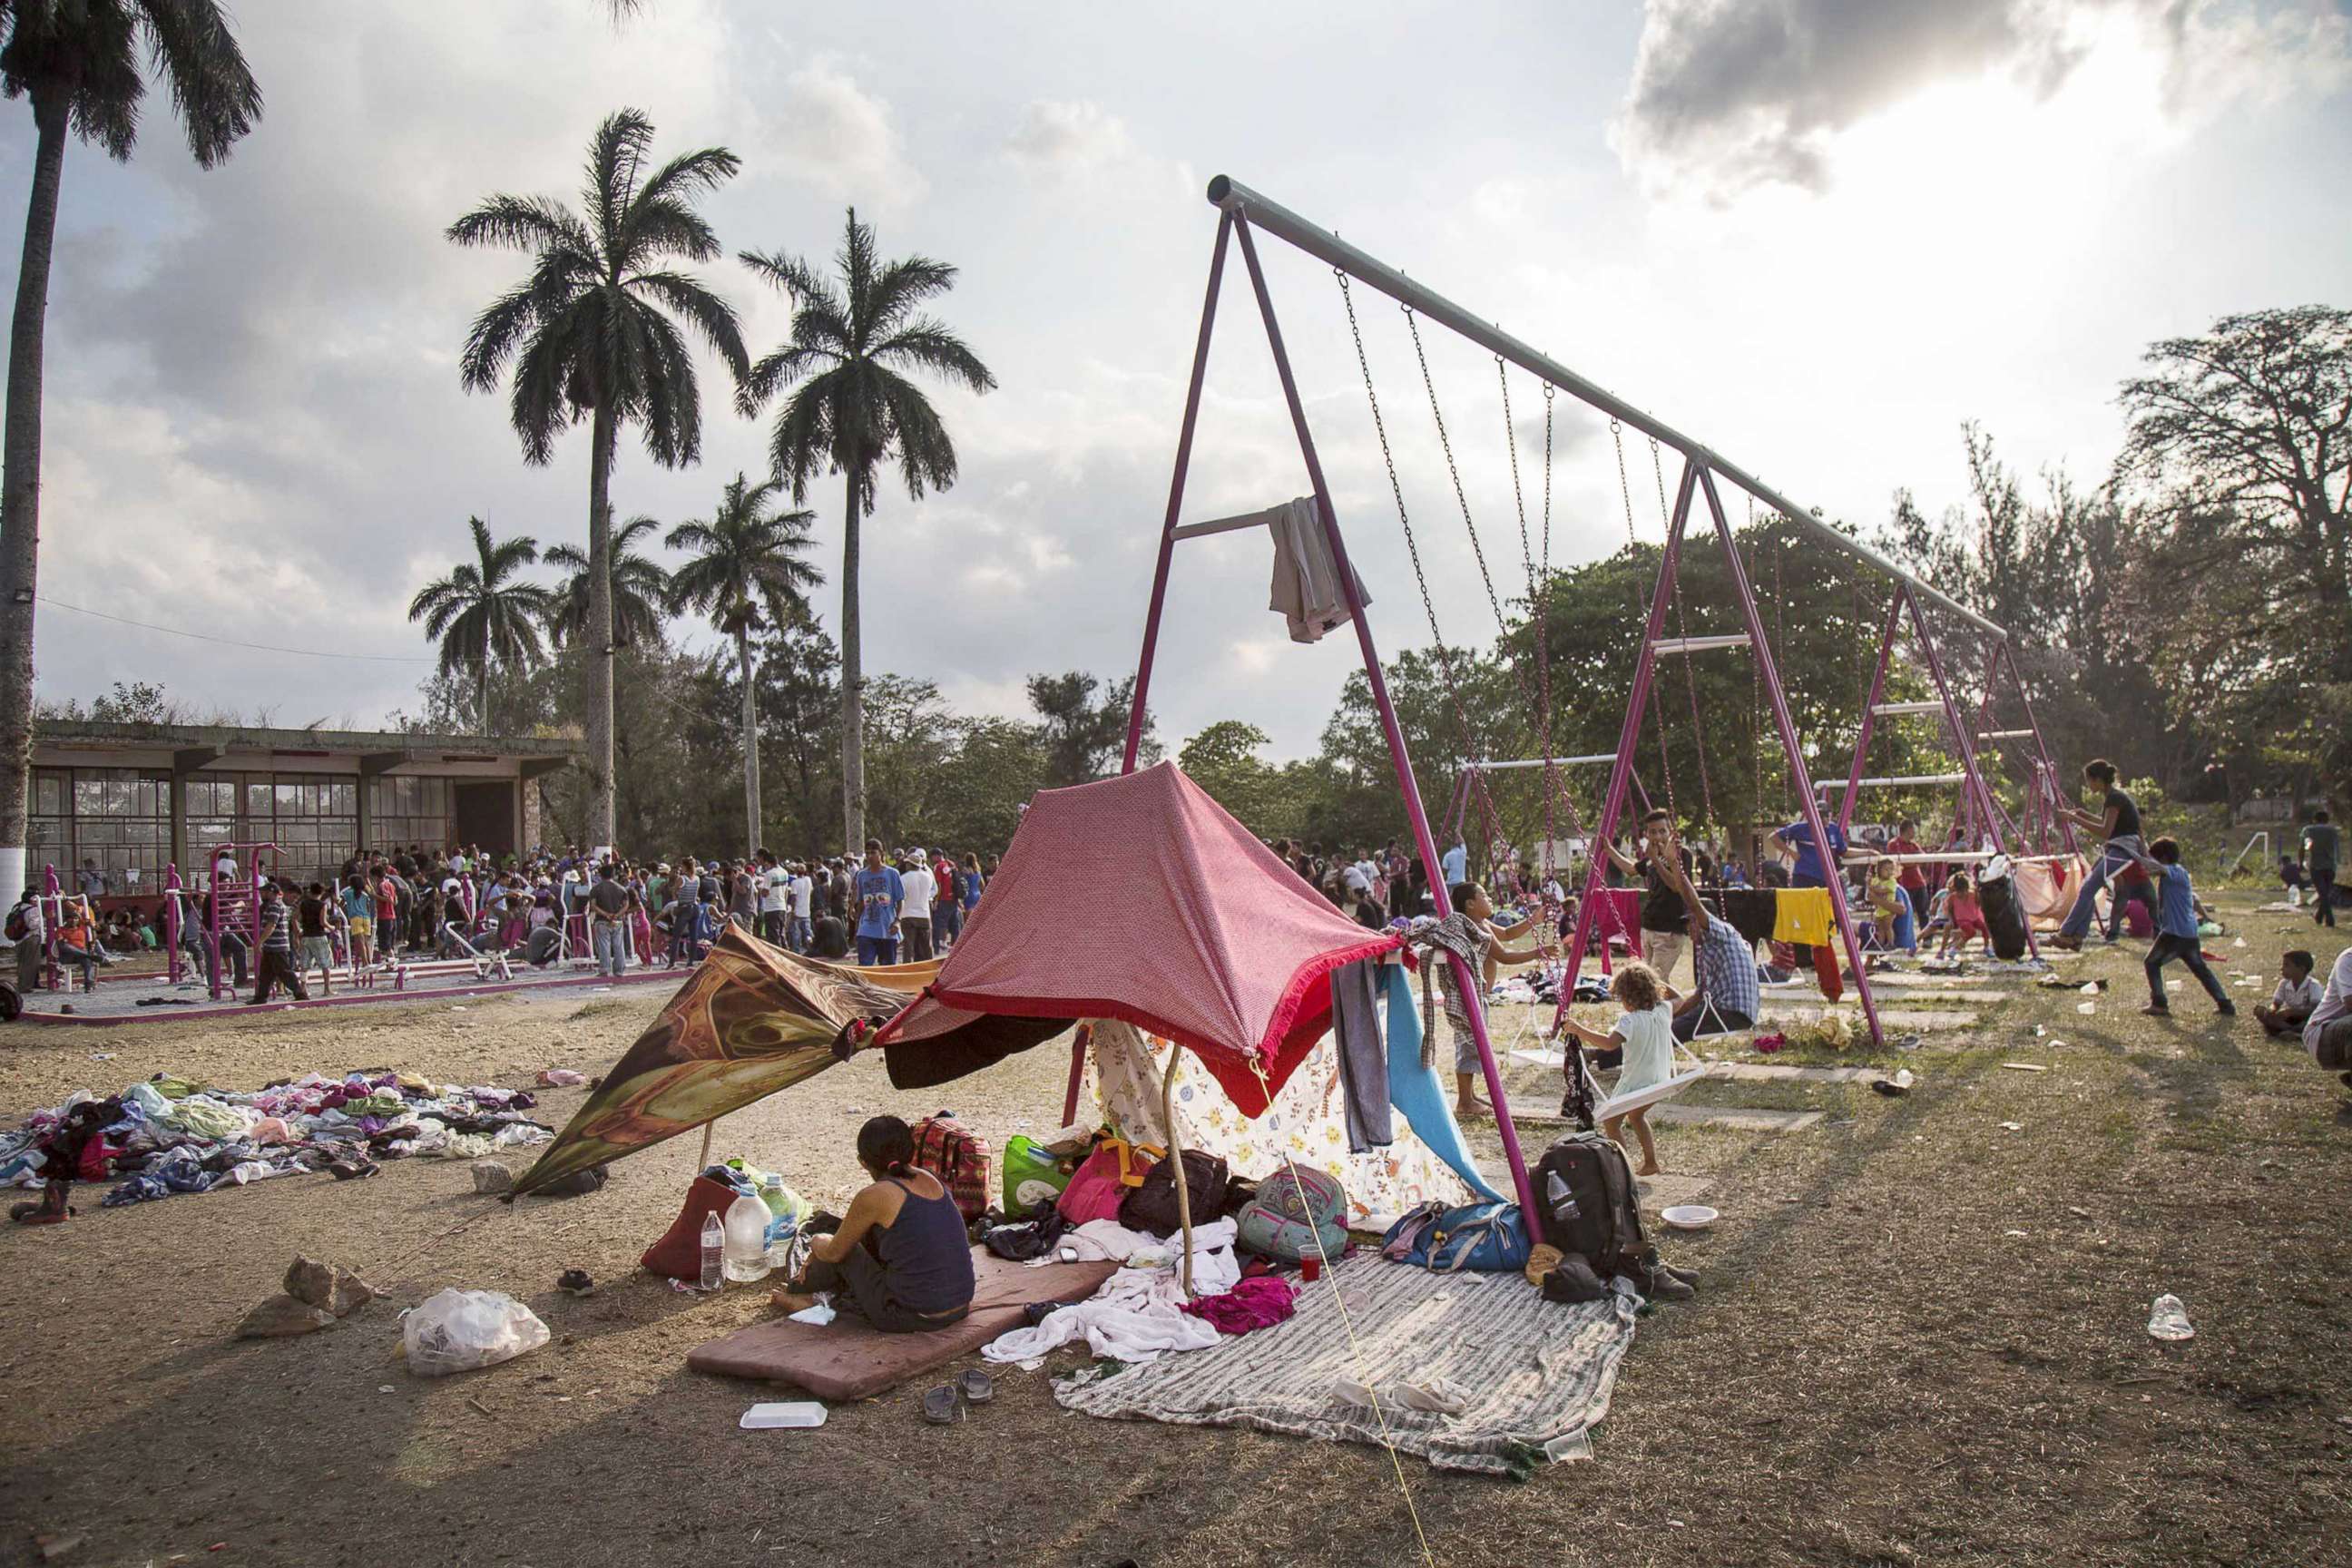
<point x="1470" y="900"/>
<point x="2296" y="998"/>
<point x="1641" y="1042"/>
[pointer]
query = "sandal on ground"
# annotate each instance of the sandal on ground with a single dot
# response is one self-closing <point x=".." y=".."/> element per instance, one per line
<point x="941" y="1407"/>
<point x="2153" y="1011"/>
<point x="976" y="1387"/>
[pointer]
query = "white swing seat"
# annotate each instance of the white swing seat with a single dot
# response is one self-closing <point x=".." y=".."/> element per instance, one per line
<point x="1621" y="1104"/>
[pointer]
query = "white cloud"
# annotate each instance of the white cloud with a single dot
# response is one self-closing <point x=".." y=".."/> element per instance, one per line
<point x="1055" y="137"/>
<point x="842" y="139"/>
<point x="1732" y="97"/>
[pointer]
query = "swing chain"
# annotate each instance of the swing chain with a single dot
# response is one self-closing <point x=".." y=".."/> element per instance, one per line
<point x="1682" y="629"/>
<point x="1632" y="593"/>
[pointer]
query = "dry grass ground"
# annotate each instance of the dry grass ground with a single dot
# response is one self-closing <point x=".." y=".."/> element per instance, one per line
<point x="1921" y="1339"/>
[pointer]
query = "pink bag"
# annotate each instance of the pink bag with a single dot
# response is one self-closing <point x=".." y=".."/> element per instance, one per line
<point x="1103" y="1182"/>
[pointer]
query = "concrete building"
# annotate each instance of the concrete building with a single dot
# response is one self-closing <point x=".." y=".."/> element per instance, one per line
<point x="137" y="797"/>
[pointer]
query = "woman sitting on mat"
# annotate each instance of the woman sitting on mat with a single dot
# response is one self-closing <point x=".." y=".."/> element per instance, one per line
<point x="1641" y="1042"/>
<point x="901" y="1259"/>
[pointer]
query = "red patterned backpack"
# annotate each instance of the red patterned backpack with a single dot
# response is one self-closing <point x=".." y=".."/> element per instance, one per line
<point x="959" y="1157"/>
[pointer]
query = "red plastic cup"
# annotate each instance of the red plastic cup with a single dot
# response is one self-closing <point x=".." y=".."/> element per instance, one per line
<point x="1310" y="1269"/>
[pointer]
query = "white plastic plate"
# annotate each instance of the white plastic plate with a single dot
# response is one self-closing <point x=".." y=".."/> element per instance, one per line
<point x="1689" y="1216"/>
<point x="796" y="1414"/>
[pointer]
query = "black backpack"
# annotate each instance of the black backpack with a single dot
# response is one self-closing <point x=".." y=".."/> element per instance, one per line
<point x="1590" y="1207"/>
<point x="1152" y="1206"/>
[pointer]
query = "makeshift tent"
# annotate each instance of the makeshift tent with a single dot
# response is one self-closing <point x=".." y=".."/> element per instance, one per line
<point x="751" y="1020"/>
<point x="1138" y="897"/>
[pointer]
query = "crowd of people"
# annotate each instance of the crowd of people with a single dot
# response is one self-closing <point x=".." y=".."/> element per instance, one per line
<point x="419" y="905"/>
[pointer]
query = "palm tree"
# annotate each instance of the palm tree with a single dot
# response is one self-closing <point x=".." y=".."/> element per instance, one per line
<point x="748" y="558"/>
<point x="853" y="409"/>
<point x="481" y="614"/>
<point x="589" y="334"/>
<point x="79" y="62"/>
<point x="640" y="588"/>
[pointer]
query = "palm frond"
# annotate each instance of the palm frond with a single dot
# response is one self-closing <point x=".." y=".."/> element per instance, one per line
<point x="212" y="87"/>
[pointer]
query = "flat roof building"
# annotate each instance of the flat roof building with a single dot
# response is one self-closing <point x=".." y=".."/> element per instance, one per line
<point x="137" y="797"/>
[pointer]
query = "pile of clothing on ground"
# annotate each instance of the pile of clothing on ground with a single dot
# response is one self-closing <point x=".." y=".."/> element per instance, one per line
<point x="170" y="1135"/>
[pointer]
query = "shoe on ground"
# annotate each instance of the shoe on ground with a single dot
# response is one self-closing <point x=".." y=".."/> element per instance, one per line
<point x="2153" y="1011"/>
<point x="1661" y="1285"/>
<point x="2228" y="1009"/>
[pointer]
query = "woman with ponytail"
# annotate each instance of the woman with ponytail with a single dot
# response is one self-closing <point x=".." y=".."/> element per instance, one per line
<point x="901" y="1259"/>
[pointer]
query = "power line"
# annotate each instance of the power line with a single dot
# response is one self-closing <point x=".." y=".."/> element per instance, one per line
<point x="232" y="642"/>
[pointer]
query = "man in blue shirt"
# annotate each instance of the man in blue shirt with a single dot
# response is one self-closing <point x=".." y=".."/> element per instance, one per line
<point x="878" y="893"/>
<point x="2176" y="929"/>
<point x="1809" y="872"/>
<point x="1454" y="866"/>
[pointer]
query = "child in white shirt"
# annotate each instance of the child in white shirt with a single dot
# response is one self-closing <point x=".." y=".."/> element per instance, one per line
<point x="2296" y="997"/>
<point x="1641" y="1042"/>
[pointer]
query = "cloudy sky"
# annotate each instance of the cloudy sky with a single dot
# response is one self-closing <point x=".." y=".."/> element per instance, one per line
<point x="1817" y="234"/>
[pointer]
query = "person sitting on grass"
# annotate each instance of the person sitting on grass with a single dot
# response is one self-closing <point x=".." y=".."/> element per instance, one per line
<point x="1487" y="940"/>
<point x="2295" y="999"/>
<point x="1964" y="918"/>
<point x="1641" y="1044"/>
<point x="901" y="1259"/>
<point x="2176" y="930"/>
<point x="2327" y="1033"/>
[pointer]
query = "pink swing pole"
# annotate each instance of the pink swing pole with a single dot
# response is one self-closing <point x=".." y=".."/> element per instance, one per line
<point x="1629" y="734"/>
<point x="1832" y="873"/>
<point x="1964" y="740"/>
<point x="1471" y="989"/>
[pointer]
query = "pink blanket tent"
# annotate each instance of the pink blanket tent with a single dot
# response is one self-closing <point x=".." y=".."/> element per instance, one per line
<point x="1137" y="898"/>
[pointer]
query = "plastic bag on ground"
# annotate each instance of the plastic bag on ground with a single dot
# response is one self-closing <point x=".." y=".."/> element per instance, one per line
<point x="460" y="1330"/>
<point x="2169" y="1319"/>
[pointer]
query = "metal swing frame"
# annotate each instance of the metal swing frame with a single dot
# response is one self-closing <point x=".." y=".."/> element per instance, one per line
<point x="1243" y="214"/>
<point x="1979" y="815"/>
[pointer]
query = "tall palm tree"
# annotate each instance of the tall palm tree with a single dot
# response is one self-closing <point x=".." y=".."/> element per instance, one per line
<point x="854" y="409"/>
<point x="749" y="558"/>
<point x="79" y="62"/>
<point x="481" y="614"/>
<point x="640" y="589"/>
<point x="589" y="334"/>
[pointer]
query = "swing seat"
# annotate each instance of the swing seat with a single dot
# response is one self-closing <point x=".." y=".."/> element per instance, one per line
<point x="1620" y="1104"/>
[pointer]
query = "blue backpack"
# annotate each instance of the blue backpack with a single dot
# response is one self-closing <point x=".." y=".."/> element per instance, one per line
<point x="1485" y="1238"/>
<point x="1298" y="1213"/>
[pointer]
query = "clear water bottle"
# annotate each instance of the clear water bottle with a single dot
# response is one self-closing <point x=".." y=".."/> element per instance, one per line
<point x="1560" y="1200"/>
<point x="746" y="1244"/>
<point x="714" y="1250"/>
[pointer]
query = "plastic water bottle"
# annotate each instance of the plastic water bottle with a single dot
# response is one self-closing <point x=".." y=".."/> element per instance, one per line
<point x="1560" y="1199"/>
<point x="714" y="1249"/>
<point x="746" y="1241"/>
<point x="772" y="1194"/>
<point x="2169" y="1319"/>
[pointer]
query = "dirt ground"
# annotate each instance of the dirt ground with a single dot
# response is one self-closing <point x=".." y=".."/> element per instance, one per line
<point x="1920" y="1337"/>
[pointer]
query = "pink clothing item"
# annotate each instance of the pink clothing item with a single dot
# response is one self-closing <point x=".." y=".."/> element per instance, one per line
<point x="1254" y="1304"/>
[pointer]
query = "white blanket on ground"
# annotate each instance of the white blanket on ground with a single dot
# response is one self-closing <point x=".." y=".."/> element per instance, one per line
<point x="1138" y="1315"/>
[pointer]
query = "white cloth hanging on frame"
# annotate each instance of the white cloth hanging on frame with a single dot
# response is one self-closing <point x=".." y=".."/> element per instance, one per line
<point x="1306" y="579"/>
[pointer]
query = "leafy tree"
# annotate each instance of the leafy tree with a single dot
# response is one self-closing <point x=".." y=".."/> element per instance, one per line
<point x="800" y="722"/>
<point x="640" y="588"/>
<point x="854" y="407"/>
<point x="592" y="333"/>
<point x="1081" y="732"/>
<point x="2240" y="441"/>
<point x="748" y="558"/>
<point x="479" y="612"/>
<point x="78" y="61"/>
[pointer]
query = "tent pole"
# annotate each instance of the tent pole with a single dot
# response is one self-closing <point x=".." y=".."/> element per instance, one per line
<point x="1175" y="497"/>
<point x="1629" y="735"/>
<point x="1833" y="871"/>
<point x="1079" y="1048"/>
<point x="1176" y="1156"/>
<point x="707" y="1127"/>
<point x="1472" y="990"/>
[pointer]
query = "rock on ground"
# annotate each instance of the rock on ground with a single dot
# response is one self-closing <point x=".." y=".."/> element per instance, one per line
<point x="329" y="1287"/>
<point x="281" y="1316"/>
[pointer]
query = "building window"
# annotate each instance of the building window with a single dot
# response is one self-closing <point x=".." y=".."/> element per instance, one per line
<point x="407" y="810"/>
<point x="119" y="818"/>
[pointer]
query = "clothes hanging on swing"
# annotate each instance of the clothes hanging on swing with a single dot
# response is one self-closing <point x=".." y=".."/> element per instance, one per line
<point x="1803" y="916"/>
<point x="1306" y="579"/>
<point x="1825" y="971"/>
<point x="1752" y="912"/>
